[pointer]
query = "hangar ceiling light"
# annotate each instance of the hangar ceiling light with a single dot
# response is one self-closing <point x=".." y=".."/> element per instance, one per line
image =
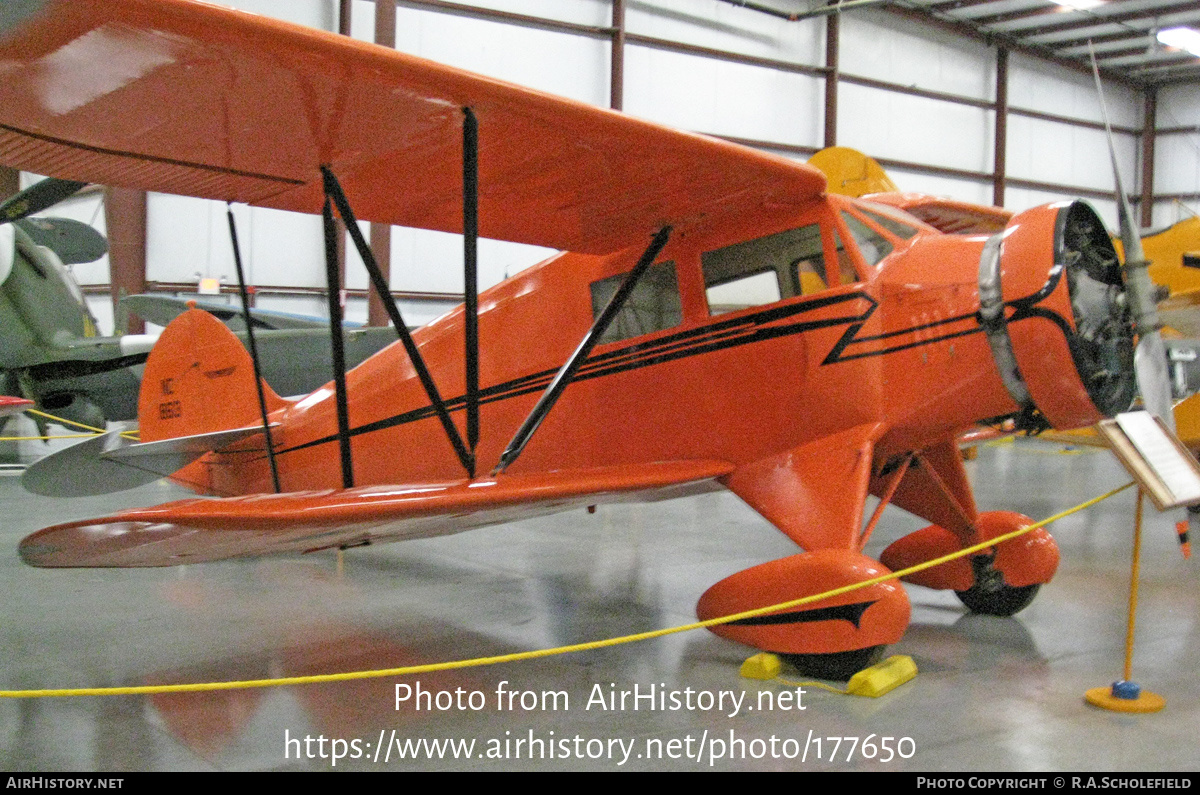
<point x="1183" y="38"/>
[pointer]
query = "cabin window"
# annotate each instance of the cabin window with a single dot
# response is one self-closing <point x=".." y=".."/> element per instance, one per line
<point x="652" y="306"/>
<point x="893" y="225"/>
<point x="755" y="289"/>
<point x="872" y="245"/>
<point x="765" y="270"/>
<point x="845" y="262"/>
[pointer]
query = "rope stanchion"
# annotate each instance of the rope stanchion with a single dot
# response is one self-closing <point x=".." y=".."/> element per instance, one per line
<point x="201" y="687"/>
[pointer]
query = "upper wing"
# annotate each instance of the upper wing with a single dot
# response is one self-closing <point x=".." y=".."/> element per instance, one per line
<point x="191" y="531"/>
<point x="184" y="97"/>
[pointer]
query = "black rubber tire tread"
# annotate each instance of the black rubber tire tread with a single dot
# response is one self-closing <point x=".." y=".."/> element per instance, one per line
<point x="1008" y="600"/>
<point x="838" y="666"/>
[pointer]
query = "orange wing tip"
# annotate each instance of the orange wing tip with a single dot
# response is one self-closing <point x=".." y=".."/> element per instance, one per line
<point x="197" y="530"/>
<point x="10" y="406"/>
<point x="115" y="543"/>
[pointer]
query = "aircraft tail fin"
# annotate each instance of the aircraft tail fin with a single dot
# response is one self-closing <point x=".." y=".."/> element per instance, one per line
<point x="1187" y="422"/>
<point x="849" y="172"/>
<point x="199" y="379"/>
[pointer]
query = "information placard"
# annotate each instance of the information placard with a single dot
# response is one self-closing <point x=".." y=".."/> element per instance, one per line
<point x="1155" y="457"/>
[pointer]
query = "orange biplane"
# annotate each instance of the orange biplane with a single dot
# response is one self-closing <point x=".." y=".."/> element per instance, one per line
<point x="719" y="320"/>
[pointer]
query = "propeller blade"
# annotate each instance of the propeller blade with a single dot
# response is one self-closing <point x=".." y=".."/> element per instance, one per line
<point x="37" y="197"/>
<point x="1154" y="381"/>
<point x="73" y="241"/>
<point x="1150" y="358"/>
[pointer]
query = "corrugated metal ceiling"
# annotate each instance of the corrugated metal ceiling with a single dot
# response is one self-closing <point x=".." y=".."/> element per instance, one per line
<point x="1123" y="32"/>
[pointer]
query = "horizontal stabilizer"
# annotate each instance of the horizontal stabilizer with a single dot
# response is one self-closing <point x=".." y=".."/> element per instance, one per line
<point x="111" y="462"/>
<point x="195" y="530"/>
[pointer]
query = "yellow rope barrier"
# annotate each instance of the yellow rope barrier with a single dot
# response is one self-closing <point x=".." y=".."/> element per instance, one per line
<point x="200" y="687"/>
<point x="62" y="421"/>
<point x="132" y="435"/>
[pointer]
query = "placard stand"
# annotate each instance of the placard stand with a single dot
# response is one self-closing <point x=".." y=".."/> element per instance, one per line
<point x="1164" y="469"/>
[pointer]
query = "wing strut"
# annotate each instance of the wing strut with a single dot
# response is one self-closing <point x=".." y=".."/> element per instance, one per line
<point x="567" y="372"/>
<point x="258" y="382"/>
<point x="470" y="276"/>
<point x="333" y="191"/>
<point x="337" y="343"/>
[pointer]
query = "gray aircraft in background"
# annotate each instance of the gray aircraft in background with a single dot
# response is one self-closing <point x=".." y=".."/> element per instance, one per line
<point x="50" y="349"/>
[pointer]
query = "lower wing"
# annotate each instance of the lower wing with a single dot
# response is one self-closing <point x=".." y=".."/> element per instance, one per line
<point x="196" y="530"/>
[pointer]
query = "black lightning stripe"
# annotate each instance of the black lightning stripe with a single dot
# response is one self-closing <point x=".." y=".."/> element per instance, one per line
<point x="851" y="612"/>
<point x="772" y="323"/>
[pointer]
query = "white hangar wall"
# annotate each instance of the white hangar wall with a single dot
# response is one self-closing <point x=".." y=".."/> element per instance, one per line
<point x="187" y="237"/>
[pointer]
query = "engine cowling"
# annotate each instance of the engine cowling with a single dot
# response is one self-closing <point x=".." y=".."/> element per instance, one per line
<point x="1051" y="291"/>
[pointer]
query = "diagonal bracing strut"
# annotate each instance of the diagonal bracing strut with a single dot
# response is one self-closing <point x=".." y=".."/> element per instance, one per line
<point x="589" y="341"/>
<point x="333" y="191"/>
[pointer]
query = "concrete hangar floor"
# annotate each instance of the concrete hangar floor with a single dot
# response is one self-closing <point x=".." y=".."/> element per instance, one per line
<point x="1002" y="694"/>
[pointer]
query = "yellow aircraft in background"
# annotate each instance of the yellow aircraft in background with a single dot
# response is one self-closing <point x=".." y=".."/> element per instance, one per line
<point x="851" y="173"/>
<point x="1174" y="255"/>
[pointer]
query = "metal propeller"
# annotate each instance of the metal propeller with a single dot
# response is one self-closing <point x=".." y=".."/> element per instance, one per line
<point x="1150" y="357"/>
<point x="73" y="241"/>
<point x="37" y="197"/>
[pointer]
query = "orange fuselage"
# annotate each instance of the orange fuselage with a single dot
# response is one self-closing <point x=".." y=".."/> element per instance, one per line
<point x="900" y="345"/>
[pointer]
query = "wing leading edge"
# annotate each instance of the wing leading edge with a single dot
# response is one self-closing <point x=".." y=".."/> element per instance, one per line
<point x="196" y="530"/>
<point x="184" y="97"/>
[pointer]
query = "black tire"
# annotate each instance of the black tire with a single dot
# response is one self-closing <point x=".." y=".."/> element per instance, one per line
<point x="1005" y="600"/>
<point x="838" y="666"/>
